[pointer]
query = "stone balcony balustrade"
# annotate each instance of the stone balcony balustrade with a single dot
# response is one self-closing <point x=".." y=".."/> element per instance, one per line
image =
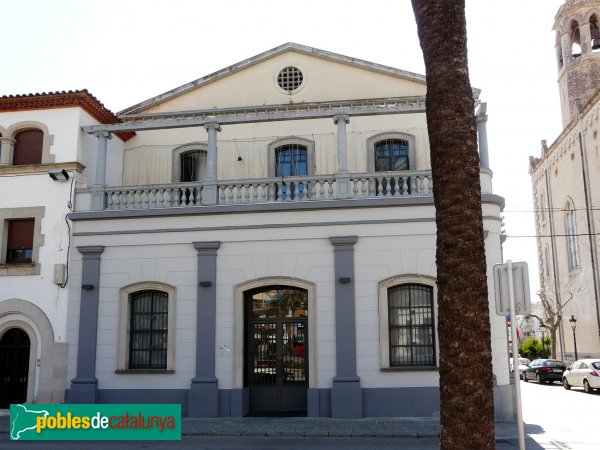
<point x="260" y="190"/>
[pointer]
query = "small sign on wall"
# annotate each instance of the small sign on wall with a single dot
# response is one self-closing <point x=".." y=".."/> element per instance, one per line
<point x="223" y="349"/>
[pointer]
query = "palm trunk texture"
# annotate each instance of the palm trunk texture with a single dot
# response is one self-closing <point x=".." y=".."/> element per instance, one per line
<point x="466" y="383"/>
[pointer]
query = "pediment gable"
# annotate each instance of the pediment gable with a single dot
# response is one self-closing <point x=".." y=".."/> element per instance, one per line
<point x="258" y="81"/>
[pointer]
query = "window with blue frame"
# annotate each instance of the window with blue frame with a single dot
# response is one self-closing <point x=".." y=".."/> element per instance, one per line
<point x="291" y="160"/>
<point x="391" y="155"/>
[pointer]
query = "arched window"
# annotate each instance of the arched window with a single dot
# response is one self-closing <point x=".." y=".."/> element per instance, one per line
<point x="595" y="33"/>
<point x="291" y="160"/>
<point x="571" y="227"/>
<point x="575" y="40"/>
<point x="28" y="147"/>
<point x="189" y="163"/>
<point x="391" y="155"/>
<point x="146" y="328"/>
<point x="192" y="166"/>
<point x="407" y="331"/>
<point x="411" y="326"/>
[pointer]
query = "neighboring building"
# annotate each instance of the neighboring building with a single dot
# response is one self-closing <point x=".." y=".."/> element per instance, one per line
<point x="40" y="136"/>
<point x="566" y="185"/>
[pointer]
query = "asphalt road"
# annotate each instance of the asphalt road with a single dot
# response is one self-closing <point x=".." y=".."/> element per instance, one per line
<point x="559" y="419"/>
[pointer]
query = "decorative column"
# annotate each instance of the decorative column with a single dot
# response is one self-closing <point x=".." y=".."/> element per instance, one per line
<point x="203" y="396"/>
<point x="342" y="176"/>
<point x="6" y="151"/>
<point x="480" y="120"/>
<point x="209" y="191"/>
<point x="346" y="393"/>
<point x="99" y="198"/>
<point x="84" y="387"/>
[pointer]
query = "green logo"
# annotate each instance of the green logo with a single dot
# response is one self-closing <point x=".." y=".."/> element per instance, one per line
<point x="95" y="422"/>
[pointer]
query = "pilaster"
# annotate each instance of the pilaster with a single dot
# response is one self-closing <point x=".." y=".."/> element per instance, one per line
<point x="346" y="392"/>
<point x="203" y="396"/>
<point x="84" y="387"/>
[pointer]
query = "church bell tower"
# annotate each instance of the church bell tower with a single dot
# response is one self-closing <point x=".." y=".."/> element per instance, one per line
<point x="578" y="54"/>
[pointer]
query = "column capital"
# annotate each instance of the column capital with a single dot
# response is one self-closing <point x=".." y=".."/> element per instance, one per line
<point x="215" y="125"/>
<point x="104" y="134"/>
<point x="338" y="117"/>
<point x="7" y="140"/>
<point x="343" y="242"/>
<point x="91" y="251"/>
<point x="207" y="247"/>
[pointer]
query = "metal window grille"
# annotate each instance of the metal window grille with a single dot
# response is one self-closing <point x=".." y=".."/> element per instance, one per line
<point x="411" y="325"/>
<point x="391" y="155"/>
<point x="148" y="330"/>
<point x="290" y="78"/>
<point x="192" y="166"/>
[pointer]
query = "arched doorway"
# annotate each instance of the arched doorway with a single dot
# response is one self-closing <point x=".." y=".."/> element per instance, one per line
<point x="14" y="367"/>
<point x="276" y="349"/>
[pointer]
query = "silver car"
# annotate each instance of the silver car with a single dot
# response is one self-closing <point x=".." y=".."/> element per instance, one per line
<point x="523" y="364"/>
<point x="583" y="373"/>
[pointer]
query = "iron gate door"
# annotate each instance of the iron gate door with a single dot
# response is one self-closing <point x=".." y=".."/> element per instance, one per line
<point x="277" y="356"/>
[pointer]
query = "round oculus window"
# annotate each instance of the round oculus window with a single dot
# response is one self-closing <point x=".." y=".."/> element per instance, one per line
<point x="290" y="78"/>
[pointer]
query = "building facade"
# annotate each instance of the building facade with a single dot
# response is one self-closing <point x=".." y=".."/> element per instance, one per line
<point x="262" y="240"/>
<point x="566" y="186"/>
<point x="42" y="152"/>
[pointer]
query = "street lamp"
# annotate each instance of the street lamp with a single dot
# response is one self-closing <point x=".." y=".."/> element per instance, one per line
<point x="573" y="321"/>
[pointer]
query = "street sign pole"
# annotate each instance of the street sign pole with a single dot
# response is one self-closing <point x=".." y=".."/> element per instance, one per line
<point x="515" y="352"/>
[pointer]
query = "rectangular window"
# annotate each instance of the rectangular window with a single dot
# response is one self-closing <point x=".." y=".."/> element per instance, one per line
<point x="19" y="246"/>
<point x="411" y="325"/>
<point x="148" y="330"/>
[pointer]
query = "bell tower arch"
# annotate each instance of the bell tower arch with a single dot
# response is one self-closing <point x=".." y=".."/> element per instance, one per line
<point x="578" y="54"/>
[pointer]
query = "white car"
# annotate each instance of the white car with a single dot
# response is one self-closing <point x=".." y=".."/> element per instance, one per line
<point x="583" y="373"/>
<point x="523" y="364"/>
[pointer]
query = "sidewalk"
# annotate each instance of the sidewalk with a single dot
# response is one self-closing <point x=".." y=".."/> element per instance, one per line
<point x="406" y="427"/>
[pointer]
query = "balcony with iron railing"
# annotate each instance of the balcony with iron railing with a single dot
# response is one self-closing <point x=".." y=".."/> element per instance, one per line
<point x="313" y="188"/>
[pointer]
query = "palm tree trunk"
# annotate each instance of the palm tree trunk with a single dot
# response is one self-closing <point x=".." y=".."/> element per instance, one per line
<point x="466" y="383"/>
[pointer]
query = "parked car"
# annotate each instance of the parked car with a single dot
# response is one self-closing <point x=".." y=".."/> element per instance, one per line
<point x="583" y="373"/>
<point x="523" y="363"/>
<point x="544" y="370"/>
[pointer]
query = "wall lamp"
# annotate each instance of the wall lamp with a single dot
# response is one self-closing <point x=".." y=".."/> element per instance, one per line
<point x="59" y="175"/>
<point x="87" y="287"/>
<point x="205" y="284"/>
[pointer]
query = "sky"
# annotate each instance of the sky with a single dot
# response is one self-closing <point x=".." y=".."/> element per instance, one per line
<point x="126" y="51"/>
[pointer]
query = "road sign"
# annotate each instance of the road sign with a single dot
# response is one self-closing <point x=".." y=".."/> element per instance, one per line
<point x="520" y="281"/>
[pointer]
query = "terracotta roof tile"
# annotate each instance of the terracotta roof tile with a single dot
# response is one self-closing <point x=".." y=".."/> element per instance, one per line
<point x="63" y="99"/>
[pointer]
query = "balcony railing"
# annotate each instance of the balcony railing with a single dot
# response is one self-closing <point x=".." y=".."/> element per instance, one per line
<point x="266" y="190"/>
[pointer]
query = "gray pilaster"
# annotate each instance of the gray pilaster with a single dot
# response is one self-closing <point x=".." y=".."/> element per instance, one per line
<point x="98" y="198"/>
<point x="6" y="151"/>
<point x="84" y="387"/>
<point x="346" y="393"/>
<point x="203" y="397"/>
<point x="209" y="191"/>
<point x="480" y="120"/>
<point x="342" y="175"/>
